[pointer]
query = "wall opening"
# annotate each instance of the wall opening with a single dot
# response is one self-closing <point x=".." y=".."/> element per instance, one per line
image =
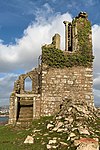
<point x="28" y="84"/>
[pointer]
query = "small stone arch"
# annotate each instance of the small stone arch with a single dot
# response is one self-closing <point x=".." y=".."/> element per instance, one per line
<point x="28" y="84"/>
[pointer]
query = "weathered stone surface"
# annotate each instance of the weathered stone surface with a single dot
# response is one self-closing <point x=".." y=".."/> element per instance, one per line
<point x="71" y="83"/>
<point x="60" y="130"/>
<point x="65" y="91"/>
<point x="54" y="83"/>
<point x="29" y="140"/>
<point x="52" y="141"/>
<point x="83" y="131"/>
<point x="55" y="42"/>
<point x="50" y="85"/>
<point x="36" y="131"/>
<point x="54" y="86"/>
<point x="49" y="146"/>
<point x="72" y="134"/>
<point x="59" y="124"/>
<point x="49" y="126"/>
<point x="77" y="123"/>
<point x="86" y="144"/>
<point x="63" y="143"/>
<point x="55" y="146"/>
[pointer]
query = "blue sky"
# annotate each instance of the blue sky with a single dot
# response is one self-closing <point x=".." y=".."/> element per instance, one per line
<point x="15" y="16"/>
<point x="25" y="25"/>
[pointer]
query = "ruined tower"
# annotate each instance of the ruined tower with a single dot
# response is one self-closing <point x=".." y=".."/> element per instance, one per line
<point x="61" y="74"/>
<point x="76" y="31"/>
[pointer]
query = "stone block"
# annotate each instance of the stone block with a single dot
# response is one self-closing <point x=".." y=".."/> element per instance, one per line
<point x="29" y="140"/>
<point x="63" y="80"/>
<point x="86" y="144"/>
<point x="70" y="82"/>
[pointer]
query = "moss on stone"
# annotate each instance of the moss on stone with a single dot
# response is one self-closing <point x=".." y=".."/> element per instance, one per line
<point x="59" y="59"/>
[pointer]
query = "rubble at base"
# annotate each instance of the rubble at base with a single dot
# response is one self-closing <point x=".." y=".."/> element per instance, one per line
<point x="78" y="121"/>
<point x="75" y="127"/>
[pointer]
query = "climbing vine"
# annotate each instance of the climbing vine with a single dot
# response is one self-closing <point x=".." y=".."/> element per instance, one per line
<point x="57" y="58"/>
<point x="82" y="57"/>
<point x="84" y="30"/>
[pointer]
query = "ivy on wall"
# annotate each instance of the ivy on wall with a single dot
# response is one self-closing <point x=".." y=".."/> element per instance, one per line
<point x="57" y="58"/>
<point x="82" y="57"/>
<point x="84" y="31"/>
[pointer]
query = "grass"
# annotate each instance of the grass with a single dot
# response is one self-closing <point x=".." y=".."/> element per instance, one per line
<point x="12" y="138"/>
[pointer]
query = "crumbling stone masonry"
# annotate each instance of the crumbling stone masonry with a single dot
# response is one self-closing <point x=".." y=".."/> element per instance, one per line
<point x="53" y="81"/>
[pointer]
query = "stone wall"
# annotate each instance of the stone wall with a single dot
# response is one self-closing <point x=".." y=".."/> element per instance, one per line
<point x="25" y="104"/>
<point x="55" y="84"/>
<point x="55" y="42"/>
<point x="12" y="115"/>
<point x="74" y="83"/>
<point x="65" y="74"/>
<point x="33" y="75"/>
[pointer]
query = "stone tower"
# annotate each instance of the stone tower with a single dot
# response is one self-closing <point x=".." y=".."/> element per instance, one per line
<point x="61" y="74"/>
<point x="76" y="32"/>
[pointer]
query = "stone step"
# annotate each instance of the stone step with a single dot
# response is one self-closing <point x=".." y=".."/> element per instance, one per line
<point x="28" y="114"/>
<point x="25" y="116"/>
<point x="23" y="124"/>
<point x="26" y="100"/>
<point x="25" y="111"/>
<point x="26" y="103"/>
<point x="26" y="108"/>
<point x="24" y="119"/>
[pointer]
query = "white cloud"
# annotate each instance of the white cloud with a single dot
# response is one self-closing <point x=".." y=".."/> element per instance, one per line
<point x="25" y="52"/>
<point x="96" y="50"/>
<point x="96" y="46"/>
<point x="43" y="14"/>
<point x="6" y="87"/>
<point x="1" y="41"/>
<point x="49" y="9"/>
<point x="96" y="82"/>
<point x="97" y="97"/>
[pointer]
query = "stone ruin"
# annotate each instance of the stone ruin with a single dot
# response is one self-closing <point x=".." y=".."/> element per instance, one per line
<point x="78" y="123"/>
<point x="50" y="85"/>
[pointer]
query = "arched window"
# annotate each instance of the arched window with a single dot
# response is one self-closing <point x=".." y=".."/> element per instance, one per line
<point x="28" y="84"/>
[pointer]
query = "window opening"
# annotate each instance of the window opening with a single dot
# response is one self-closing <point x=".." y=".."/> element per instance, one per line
<point x="28" y="84"/>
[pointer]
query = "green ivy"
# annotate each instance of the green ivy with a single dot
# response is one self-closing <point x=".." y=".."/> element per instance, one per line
<point x="84" y="30"/>
<point x="82" y="57"/>
<point x="58" y="58"/>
